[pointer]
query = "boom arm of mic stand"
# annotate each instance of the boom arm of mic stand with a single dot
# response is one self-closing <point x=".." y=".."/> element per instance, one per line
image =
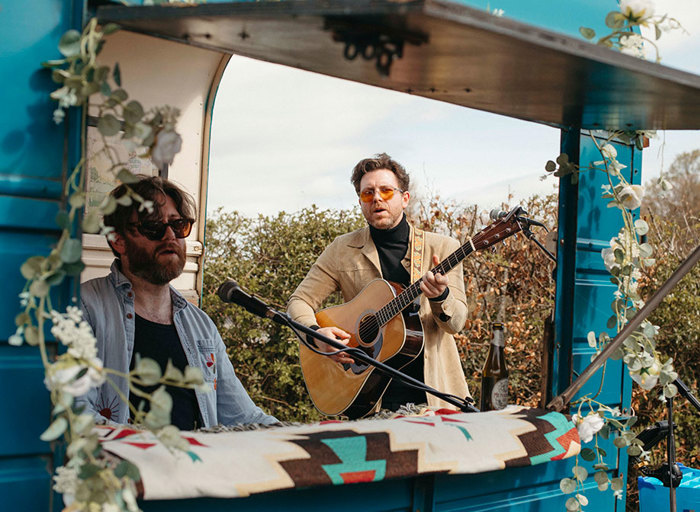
<point x="283" y="318"/>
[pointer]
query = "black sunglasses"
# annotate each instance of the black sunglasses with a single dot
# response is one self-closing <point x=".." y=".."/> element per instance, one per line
<point x="155" y="230"/>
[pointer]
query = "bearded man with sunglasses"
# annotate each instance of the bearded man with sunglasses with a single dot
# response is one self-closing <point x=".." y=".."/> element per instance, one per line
<point x="134" y="310"/>
<point x="383" y="249"/>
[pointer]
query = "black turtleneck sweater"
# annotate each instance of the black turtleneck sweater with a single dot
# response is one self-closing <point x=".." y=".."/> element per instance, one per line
<point x="392" y="245"/>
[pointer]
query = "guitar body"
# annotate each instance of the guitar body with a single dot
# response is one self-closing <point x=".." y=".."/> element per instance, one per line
<point x="354" y="390"/>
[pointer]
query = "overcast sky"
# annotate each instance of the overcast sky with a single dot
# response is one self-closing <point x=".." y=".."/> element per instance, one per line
<point x="283" y="139"/>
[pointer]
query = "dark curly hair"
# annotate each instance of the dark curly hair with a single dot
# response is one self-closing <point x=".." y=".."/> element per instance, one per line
<point x="150" y="188"/>
<point x="380" y="161"/>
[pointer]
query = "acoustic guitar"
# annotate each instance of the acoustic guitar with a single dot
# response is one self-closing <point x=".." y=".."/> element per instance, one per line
<point x="373" y="321"/>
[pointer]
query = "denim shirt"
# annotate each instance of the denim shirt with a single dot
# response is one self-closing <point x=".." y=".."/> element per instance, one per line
<point x="108" y="306"/>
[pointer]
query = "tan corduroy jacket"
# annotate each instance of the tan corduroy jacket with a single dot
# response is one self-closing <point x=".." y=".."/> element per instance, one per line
<point x="351" y="261"/>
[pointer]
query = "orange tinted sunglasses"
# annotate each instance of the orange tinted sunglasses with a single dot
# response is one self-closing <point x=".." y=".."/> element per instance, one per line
<point x="386" y="193"/>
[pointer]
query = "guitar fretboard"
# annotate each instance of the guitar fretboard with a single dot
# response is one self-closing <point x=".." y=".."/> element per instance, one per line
<point x="406" y="297"/>
<point x="500" y="230"/>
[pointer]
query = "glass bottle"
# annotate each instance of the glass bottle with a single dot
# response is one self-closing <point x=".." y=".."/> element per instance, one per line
<point x="494" y="376"/>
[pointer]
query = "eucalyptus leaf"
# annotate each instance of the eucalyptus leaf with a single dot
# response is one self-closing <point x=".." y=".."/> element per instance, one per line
<point x="69" y="45"/>
<point x="88" y="470"/>
<point x="31" y="335"/>
<point x="39" y="288"/>
<point x="91" y="223"/>
<point x="63" y="219"/>
<point x="645" y="250"/>
<point x="77" y="200"/>
<point x="617" y="483"/>
<point x="124" y="200"/>
<point x="172" y="373"/>
<point x="73" y="269"/>
<point x="22" y="319"/>
<point x="586" y="32"/>
<point x="32" y="267"/>
<point x="108" y="125"/>
<point x="580" y="472"/>
<point x="591" y="339"/>
<point x="105" y="89"/>
<point x="619" y="442"/>
<point x="587" y="454"/>
<point x="71" y="251"/>
<point x="83" y="423"/>
<point x="563" y="159"/>
<point x="641" y="227"/>
<point x="148" y="371"/>
<point x="550" y="166"/>
<point x="572" y="505"/>
<point x="119" y="95"/>
<point x="193" y="375"/>
<point x="109" y="204"/>
<point x="110" y="28"/>
<point x="601" y="451"/>
<point x="56" y="278"/>
<point x="126" y="176"/>
<point x="612" y="322"/>
<point x="634" y="450"/>
<point x="615" y="20"/>
<point x="117" y="75"/>
<point x="56" y="428"/>
<point x="133" y="112"/>
<point x="567" y="485"/>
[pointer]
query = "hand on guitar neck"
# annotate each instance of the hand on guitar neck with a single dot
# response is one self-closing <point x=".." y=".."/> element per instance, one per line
<point x="339" y="335"/>
<point x="433" y="285"/>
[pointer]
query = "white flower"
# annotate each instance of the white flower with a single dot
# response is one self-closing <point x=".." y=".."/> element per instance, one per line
<point x="65" y="480"/>
<point x="637" y="10"/>
<point x="587" y="426"/>
<point x="633" y="45"/>
<point x="67" y="379"/>
<point x="608" y="151"/>
<point x="498" y="12"/>
<point x="608" y="255"/>
<point x="647" y="377"/>
<point x="631" y="196"/>
<point x="167" y="145"/>
<point x="71" y="330"/>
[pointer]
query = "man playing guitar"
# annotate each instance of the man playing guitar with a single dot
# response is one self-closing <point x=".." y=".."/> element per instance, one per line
<point x="392" y="249"/>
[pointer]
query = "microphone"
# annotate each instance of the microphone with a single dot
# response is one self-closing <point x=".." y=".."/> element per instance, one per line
<point x="229" y="291"/>
<point x="497" y="214"/>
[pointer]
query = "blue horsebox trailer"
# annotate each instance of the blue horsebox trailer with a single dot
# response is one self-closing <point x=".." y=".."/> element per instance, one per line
<point x="530" y="64"/>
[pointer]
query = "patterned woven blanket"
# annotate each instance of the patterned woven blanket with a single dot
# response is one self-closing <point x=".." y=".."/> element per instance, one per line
<point x="234" y="464"/>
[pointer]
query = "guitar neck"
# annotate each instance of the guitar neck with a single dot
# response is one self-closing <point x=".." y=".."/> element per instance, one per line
<point x="408" y="295"/>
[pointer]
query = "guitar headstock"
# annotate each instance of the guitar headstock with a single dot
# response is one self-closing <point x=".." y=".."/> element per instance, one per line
<point x="499" y="230"/>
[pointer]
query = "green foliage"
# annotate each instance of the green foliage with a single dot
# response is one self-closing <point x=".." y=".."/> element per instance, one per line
<point x="268" y="256"/>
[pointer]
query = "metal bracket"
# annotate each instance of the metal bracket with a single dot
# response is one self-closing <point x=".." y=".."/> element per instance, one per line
<point x="372" y="41"/>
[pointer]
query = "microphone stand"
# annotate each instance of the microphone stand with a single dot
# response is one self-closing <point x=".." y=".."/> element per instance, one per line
<point x="229" y="291"/>
<point x="462" y="403"/>
<point x="669" y="473"/>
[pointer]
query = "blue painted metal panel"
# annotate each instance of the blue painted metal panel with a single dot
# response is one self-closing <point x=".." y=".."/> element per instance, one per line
<point x="584" y="290"/>
<point x="34" y="157"/>
<point x="25" y="484"/>
<point x="25" y="414"/>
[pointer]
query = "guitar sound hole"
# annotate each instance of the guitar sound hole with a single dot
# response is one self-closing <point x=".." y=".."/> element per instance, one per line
<point x="368" y="330"/>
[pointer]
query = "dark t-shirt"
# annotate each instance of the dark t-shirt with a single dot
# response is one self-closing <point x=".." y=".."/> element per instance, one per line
<point x="160" y="342"/>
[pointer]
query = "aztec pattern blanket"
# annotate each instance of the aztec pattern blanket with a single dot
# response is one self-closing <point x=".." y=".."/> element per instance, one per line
<point x="236" y="464"/>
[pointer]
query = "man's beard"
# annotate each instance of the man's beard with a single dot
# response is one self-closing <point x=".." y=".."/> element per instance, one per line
<point x="147" y="267"/>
